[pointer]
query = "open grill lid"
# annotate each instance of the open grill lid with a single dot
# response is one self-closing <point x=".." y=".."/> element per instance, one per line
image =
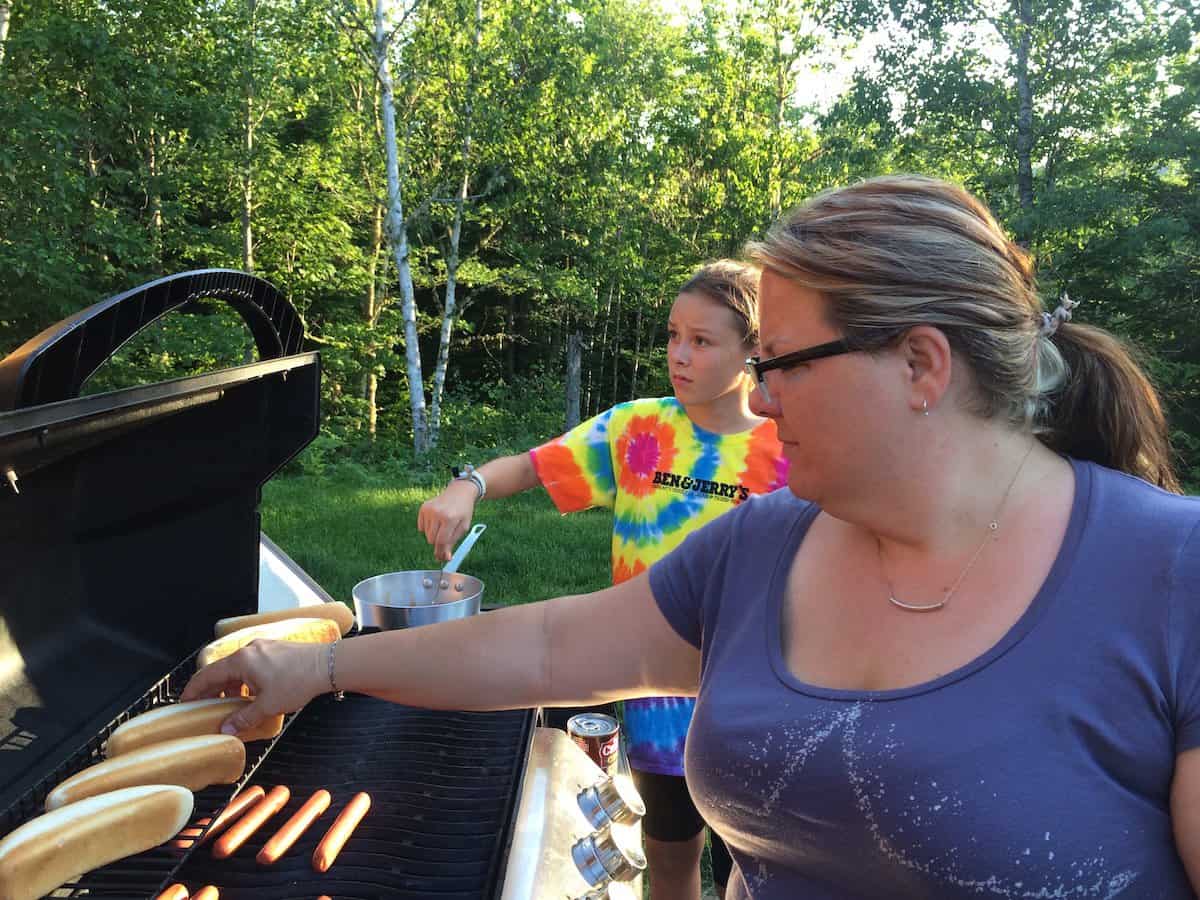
<point x="129" y="522"/>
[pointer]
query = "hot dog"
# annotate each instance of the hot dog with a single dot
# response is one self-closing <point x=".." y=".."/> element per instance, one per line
<point x="304" y="631"/>
<point x="339" y="832"/>
<point x="208" y="892"/>
<point x="180" y="720"/>
<point x="174" y="892"/>
<point x="283" y="839"/>
<point x="244" y="827"/>
<point x="193" y="763"/>
<point x="338" y="612"/>
<point x="50" y="850"/>
<point x="238" y="805"/>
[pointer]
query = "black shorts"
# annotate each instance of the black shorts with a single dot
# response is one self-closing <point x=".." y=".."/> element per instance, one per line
<point x="672" y="816"/>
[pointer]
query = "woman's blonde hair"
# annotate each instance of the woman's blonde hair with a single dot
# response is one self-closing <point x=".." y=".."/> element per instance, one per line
<point x="734" y="285"/>
<point x="894" y="252"/>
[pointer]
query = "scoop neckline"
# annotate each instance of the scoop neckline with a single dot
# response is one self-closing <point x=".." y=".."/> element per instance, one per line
<point x="1042" y="600"/>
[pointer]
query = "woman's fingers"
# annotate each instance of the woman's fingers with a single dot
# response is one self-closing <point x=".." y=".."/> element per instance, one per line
<point x="223" y="675"/>
<point x="281" y="677"/>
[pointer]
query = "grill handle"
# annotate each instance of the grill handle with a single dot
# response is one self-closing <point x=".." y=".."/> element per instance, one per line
<point x="54" y="365"/>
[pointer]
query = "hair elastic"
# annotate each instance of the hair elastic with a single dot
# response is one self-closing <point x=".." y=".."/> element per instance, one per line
<point x="1062" y="313"/>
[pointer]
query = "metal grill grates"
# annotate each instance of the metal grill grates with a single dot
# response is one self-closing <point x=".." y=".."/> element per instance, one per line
<point x="443" y="789"/>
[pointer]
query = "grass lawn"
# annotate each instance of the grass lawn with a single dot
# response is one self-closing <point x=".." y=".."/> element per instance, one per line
<point x="346" y="527"/>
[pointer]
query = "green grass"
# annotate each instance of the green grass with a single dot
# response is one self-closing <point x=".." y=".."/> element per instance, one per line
<point x="343" y="527"/>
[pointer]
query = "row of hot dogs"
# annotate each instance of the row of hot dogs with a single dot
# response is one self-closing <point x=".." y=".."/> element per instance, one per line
<point x="140" y="796"/>
<point x="251" y="809"/>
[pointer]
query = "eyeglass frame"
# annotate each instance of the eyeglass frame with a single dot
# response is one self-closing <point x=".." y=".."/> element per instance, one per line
<point x="757" y="369"/>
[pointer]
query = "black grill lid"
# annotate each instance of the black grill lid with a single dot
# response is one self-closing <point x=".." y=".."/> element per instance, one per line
<point x="136" y="524"/>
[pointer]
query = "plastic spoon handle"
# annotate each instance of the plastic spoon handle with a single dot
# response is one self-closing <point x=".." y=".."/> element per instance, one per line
<point x="460" y="554"/>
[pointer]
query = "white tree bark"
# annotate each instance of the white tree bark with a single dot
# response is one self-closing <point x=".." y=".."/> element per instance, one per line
<point x="397" y="232"/>
<point x="574" y="365"/>
<point x="5" y="13"/>
<point x="248" y="144"/>
<point x="1024" y="119"/>
<point x="450" y="309"/>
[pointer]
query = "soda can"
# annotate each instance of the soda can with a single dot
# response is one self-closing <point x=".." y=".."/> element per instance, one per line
<point x="599" y="737"/>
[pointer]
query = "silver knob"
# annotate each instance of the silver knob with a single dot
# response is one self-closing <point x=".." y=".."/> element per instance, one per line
<point x="602" y="859"/>
<point x="611" y="801"/>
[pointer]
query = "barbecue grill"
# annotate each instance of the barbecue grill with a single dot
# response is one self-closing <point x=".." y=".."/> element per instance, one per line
<point x="129" y="523"/>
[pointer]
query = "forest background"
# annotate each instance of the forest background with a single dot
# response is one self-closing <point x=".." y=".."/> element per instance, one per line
<point x="482" y="208"/>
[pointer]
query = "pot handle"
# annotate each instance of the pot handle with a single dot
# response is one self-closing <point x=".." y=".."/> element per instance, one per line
<point x="460" y="554"/>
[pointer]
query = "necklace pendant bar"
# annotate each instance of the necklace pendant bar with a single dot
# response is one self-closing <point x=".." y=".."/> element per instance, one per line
<point x="918" y="607"/>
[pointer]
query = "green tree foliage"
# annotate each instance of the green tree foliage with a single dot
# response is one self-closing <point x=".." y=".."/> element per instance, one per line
<point x="612" y="149"/>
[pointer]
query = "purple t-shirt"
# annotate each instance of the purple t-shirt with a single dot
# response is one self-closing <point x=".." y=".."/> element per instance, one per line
<point x="1042" y="769"/>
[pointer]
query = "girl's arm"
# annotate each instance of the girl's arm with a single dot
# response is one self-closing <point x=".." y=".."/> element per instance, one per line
<point x="610" y="645"/>
<point x="447" y="517"/>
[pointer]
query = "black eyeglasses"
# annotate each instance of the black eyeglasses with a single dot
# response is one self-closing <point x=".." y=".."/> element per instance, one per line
<point x="757" y="369"/>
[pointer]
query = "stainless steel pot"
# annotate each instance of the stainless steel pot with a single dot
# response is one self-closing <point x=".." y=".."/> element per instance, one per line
<point x="404" y="599"/>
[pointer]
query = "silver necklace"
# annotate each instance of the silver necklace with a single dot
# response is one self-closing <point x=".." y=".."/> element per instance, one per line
<point x="993" y="527"/>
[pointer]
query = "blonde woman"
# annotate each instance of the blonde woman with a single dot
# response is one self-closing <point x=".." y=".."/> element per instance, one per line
<point x="968" y="665"/>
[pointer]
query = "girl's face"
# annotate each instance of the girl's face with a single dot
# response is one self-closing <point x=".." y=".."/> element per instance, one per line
<point x="705" y="352"/>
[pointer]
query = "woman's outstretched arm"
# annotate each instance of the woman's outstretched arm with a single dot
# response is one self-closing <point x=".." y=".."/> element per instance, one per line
<point x="585" y="649"/>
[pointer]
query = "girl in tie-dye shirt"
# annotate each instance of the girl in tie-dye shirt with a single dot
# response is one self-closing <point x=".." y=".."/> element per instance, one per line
<point x="666" y="467"/>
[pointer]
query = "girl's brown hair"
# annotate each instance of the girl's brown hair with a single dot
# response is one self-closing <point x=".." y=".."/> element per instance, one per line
<point x="734" y="285"/>
<point x="894" y="252"/>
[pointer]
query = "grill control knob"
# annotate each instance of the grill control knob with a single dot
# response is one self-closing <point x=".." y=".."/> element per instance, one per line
<point x="602" y="859"/>
<point x="611" y="801"/>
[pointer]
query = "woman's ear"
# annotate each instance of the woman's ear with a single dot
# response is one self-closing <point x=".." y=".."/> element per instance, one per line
<point x="929" y="363"/>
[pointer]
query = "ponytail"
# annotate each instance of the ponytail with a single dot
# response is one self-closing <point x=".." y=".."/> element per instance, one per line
<point x="1106" y="409"/>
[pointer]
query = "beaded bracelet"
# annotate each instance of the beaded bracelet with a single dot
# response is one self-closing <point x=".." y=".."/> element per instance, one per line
<point x="338" y="694"/>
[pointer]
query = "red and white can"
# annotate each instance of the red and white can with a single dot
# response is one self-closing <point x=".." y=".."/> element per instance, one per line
<point x="599" y="736"/>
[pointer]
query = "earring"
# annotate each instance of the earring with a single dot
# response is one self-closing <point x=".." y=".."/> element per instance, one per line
<point x="924" y="407"/>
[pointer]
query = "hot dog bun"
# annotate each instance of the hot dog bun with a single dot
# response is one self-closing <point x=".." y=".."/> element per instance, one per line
<point x="338" y="612"/>
<point x="303" y="631"/>
<point x="180" y="720"/>
<point x="194" y="763"/>
<point x="46" y="852"/>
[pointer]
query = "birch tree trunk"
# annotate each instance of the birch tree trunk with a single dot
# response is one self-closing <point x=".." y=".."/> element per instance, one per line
<point x="509" y="345"/>
<point x="449" y="310"/>
<point x="397" y="233"/>
<point x="1024" y="122"/>
<point x="599" y="365"/>
<point x="616" y="352"/>
<point x="5" y="13"/>
<point x="248" y="148"/>
<point x="775" y="176"/>
<point x="637" y="351"/>
<point x="155" y="198"/>
<point x="372" y="307"/>
<point x="574" y="364"/>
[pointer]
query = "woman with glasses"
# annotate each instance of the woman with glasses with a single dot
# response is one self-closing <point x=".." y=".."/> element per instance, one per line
<point x="968" y="664"/>
<point x="666" y="467"/>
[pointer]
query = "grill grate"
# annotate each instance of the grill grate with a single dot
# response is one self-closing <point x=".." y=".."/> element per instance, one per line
<point x="443" y="789"/>
<point x="134" y="878"/>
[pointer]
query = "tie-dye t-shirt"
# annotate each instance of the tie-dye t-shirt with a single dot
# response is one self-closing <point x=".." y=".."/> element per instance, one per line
<point x="663" y="477"/>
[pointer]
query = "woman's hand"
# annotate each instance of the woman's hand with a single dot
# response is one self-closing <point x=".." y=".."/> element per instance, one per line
<point x="281" y="676"/>
<point x="446" y="517"/>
